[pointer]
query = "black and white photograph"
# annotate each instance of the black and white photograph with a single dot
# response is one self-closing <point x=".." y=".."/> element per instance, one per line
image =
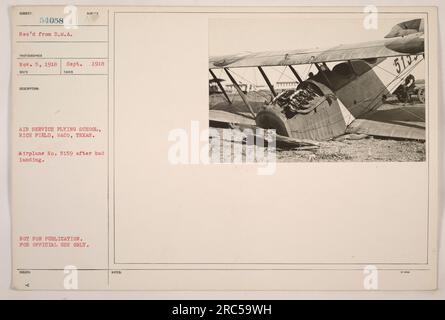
<point x="229" y="151"/>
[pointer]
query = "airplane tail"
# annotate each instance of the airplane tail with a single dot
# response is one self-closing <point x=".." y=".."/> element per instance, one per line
<point x="407" y="37"/>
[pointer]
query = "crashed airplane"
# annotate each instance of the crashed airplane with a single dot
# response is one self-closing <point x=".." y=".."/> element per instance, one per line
<point x="347" y="99"/>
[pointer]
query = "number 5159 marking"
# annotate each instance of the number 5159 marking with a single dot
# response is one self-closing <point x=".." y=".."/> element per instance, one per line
<point x="401" y="63"/>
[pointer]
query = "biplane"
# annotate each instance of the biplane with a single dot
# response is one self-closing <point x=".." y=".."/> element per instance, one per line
<point x="347" y="98"/>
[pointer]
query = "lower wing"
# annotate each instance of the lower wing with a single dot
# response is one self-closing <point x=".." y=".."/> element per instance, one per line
<point x="402" y="122"/>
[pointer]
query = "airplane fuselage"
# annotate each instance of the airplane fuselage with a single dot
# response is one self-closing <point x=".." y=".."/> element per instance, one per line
<point x="350" y="90"/>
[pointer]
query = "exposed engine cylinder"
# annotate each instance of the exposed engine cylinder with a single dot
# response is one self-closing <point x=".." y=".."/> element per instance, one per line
<point x="294" y="101"/>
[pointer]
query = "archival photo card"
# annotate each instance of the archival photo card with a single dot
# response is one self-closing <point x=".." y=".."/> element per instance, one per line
<point x="224" y="148"/>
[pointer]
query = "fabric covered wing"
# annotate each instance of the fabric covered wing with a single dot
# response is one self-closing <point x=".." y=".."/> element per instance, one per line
<point x="359" y="51"/>
<point x="229" y="117"/>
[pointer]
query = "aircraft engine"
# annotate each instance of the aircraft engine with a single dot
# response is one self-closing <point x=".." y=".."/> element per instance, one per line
<point x="294" y="112"/>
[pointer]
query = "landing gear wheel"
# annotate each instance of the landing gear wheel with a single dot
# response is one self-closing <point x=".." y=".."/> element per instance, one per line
<point x="421" y="95"/>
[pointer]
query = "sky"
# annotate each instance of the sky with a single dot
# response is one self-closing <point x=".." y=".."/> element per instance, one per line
<point x="248" y="33"/>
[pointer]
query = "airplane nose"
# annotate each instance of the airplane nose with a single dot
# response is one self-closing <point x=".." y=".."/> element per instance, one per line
<point x="271" y="118"/>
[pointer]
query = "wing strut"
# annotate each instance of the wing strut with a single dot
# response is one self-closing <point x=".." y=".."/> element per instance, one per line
<point x="267" y="81"/>
<point x="295" y="74"/>
<point x="220" y="86"/>
<point x="240" y="92"/>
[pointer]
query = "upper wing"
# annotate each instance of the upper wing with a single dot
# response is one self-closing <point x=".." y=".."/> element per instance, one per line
<point x="410" y="44"/>
<point x="406" y="122"/>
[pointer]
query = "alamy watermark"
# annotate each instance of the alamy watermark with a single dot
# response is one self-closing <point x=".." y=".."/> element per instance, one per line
<point x="371" y="20"/>
<point x="217" y="146"/>
<point x="70" y="279"/>
<point x="70" y="21"/>
<point x="371" y="277"/>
